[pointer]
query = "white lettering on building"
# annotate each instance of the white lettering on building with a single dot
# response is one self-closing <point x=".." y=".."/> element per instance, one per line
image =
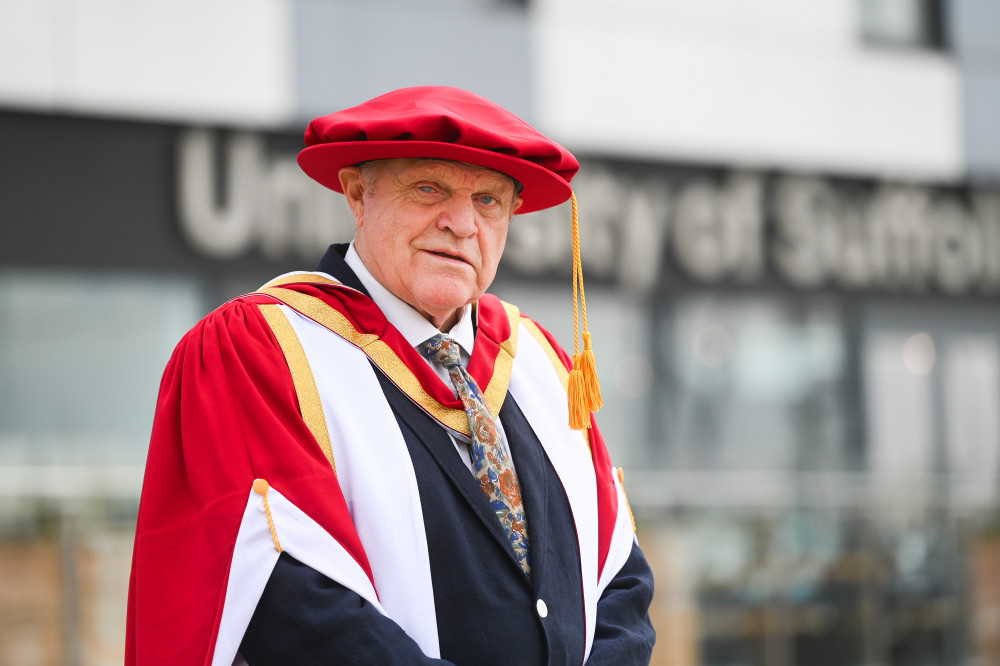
<point x="270" y="205"/>
<point x="811" y="232"/>
<point x="901" y="238"/>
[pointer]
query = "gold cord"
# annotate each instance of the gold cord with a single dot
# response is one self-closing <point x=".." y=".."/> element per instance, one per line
<point x="260" y="486"/>
<point x="584" y="387"/>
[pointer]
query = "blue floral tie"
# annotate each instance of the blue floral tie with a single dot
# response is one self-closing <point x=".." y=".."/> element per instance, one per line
<point x="489" y="460"/>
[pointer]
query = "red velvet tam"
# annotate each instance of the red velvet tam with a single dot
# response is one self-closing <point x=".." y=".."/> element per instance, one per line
<point x="446" y="123"/>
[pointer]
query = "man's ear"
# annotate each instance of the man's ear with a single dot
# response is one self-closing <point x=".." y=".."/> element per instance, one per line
<point x="353" y="185"/>
<point x="517" y="204"/>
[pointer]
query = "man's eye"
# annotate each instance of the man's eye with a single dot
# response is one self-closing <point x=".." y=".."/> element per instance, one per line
<point x="426" y="188"/>
<point x="488" y="199"/>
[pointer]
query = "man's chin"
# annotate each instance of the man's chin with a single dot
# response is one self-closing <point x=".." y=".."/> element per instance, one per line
<point x="441" y="304"/>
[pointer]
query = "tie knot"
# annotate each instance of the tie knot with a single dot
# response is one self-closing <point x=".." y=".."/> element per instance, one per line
<point x="442" y="349"/>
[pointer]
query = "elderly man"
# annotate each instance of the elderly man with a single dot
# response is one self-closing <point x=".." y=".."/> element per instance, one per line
<point x="372" y="463"/>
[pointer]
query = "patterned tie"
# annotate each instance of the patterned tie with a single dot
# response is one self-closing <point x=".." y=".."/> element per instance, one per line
<point x="492" y="466"/>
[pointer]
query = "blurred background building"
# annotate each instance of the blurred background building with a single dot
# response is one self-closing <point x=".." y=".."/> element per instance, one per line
<point x="791" y="219"/>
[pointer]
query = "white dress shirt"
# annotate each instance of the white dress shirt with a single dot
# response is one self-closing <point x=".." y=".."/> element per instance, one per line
<point x="417" y="330"/>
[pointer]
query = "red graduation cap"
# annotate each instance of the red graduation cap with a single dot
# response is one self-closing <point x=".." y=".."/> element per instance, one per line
<point x="444" y="123"/>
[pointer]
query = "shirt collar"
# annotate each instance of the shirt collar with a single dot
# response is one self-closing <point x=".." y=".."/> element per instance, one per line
<point x="400" y="314"/>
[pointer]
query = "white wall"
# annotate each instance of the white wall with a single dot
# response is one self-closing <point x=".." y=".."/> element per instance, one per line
<point x="213" y="60"/>
<point x="778" y="83"/>
<point x="766" y="83"/>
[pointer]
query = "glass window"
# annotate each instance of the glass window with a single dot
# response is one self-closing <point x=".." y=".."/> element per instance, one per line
<point x="752" y="383"/>
<point x="81" y="355"/>
<point x="913" y="23"/>
<point x="932" y="390"/>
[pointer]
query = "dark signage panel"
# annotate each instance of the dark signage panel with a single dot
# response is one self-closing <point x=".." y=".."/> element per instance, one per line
<point x="86" y="192"/>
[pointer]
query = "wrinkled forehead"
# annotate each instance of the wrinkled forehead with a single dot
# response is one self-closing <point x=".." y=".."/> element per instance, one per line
<point x="426" y="167"/>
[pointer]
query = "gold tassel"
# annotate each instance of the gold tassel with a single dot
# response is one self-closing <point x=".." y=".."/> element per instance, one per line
<point x="584" y="386"/>
<point x="588" y="369"/>
<point x="579" y="415"/>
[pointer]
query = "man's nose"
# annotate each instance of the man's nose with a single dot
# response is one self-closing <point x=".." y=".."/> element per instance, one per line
<point x="459" y="217"/>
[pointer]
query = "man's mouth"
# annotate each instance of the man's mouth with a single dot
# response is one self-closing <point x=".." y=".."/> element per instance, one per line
<point x="446" y="255"/>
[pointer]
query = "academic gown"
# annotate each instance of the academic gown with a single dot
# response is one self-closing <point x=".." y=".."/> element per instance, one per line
<point x="229" y="380"/>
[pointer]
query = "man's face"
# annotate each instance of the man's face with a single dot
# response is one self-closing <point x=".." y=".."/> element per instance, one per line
<point x="431" y="231"/>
